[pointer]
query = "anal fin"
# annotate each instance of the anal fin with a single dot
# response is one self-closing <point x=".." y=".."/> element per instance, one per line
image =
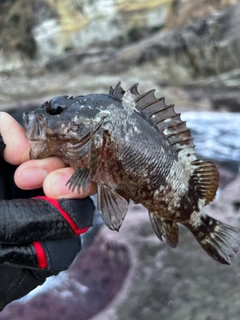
<point x="113" y="207"/>
<point x="165" y="228"/>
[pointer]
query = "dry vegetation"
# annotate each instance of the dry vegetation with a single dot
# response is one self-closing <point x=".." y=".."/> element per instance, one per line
<point x="16" y="21"/>
<point x="182" y="11"/>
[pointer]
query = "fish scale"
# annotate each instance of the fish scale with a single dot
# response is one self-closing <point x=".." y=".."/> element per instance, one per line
<point x="135" y="147"/>
<point x="142" y="155"/>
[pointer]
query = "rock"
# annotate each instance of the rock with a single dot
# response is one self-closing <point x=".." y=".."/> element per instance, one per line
<point x="226" y="175"/>
<point x="16" y="23"/>
<point x="226" y="206"/>
<point x="95" y="38"/>
<point x="203" y="52"/>
<point x="48" y="29"/>
<point x="185" y="11"/>
<point x="229" y="101"/>
<point x="232" y="190"/>
<point x="165" y="283"/>
<point x="132" y="275"/>
<point x="230" y="79"/>
<point x="99" y="24"/>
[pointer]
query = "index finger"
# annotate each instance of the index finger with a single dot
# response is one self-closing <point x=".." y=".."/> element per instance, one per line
<point x="17" y="147"/>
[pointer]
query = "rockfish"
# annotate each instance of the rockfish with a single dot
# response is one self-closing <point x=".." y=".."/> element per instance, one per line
<point x="136" y="147"/>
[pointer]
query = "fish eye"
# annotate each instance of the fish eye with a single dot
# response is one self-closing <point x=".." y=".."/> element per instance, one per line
<point x="56" y="105"/>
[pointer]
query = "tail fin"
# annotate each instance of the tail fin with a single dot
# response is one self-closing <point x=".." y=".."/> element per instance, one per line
<point x="219" y="240"/>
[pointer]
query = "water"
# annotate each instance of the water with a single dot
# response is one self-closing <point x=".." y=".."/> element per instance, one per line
<point x="216" y="136"/>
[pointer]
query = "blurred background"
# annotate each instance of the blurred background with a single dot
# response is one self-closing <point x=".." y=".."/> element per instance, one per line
<point x="189" y="51"/>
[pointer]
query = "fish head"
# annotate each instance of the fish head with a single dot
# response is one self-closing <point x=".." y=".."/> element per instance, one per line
<point x="58" y="125"/>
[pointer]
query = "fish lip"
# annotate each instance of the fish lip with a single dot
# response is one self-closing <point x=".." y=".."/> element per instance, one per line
<point x="34" y="126"/>
<point x="42" y="141"/>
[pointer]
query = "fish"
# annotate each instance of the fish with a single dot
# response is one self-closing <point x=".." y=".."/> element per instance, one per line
<point x="135" y="147"/>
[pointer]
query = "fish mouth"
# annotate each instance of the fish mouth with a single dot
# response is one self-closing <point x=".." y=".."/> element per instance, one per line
<point x="40" y="147"/>
<point x="34" y="126"/>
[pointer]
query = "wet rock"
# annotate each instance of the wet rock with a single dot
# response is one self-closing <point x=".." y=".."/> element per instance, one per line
<point x="232" y="190"/>
<point x="226" y="174"/>
<point x="165" y="283"/>
<point x="229" y="101"/>
<point x="226" y="206"/>
<point x="132" y="275"/>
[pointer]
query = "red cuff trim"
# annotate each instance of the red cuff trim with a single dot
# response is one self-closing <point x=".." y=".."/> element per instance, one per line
<point x="65" y="215"/>
<point x="41" y="256"/>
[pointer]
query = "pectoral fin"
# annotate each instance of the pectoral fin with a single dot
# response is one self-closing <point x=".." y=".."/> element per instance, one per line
<point x="165" y="228"/>
<point x="113" y="207"/>
<point x="79" y="179"/>
<point x="93" y="163"/>
<point x="82" y="176"/>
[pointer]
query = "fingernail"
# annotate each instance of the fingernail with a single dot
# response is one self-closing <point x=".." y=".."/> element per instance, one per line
<point x="33" y="177"/>
<point x="58" y="185"/>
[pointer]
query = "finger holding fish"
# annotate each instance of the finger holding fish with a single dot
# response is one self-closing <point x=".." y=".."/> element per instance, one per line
<point x="50" y="173"/>
<point x="55" y="185"/>
<point x="17" y="146"/>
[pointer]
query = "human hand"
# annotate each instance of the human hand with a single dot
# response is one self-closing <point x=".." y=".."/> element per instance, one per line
<point x="38" y="237"/>
<point x="51" y="174"/>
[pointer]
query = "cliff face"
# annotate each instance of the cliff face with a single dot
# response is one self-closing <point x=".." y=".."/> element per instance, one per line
<point x="16" y="23"/>
<point x="182" y="12"/>
<point x="84" y="23"/>
<point x="60" y="44"/>
<point x="50" y="30"/>
<point x="204" y="52"/>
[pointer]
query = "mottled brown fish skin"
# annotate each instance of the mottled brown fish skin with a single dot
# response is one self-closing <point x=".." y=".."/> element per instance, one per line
<point x="134" y="147"/>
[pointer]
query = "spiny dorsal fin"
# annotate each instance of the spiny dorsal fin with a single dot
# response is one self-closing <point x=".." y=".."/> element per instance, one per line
<point x="164" y="118"/>
<point x="206" y="179"/>
<point x="117" y="92"/>
<point x="133" y="89"/>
